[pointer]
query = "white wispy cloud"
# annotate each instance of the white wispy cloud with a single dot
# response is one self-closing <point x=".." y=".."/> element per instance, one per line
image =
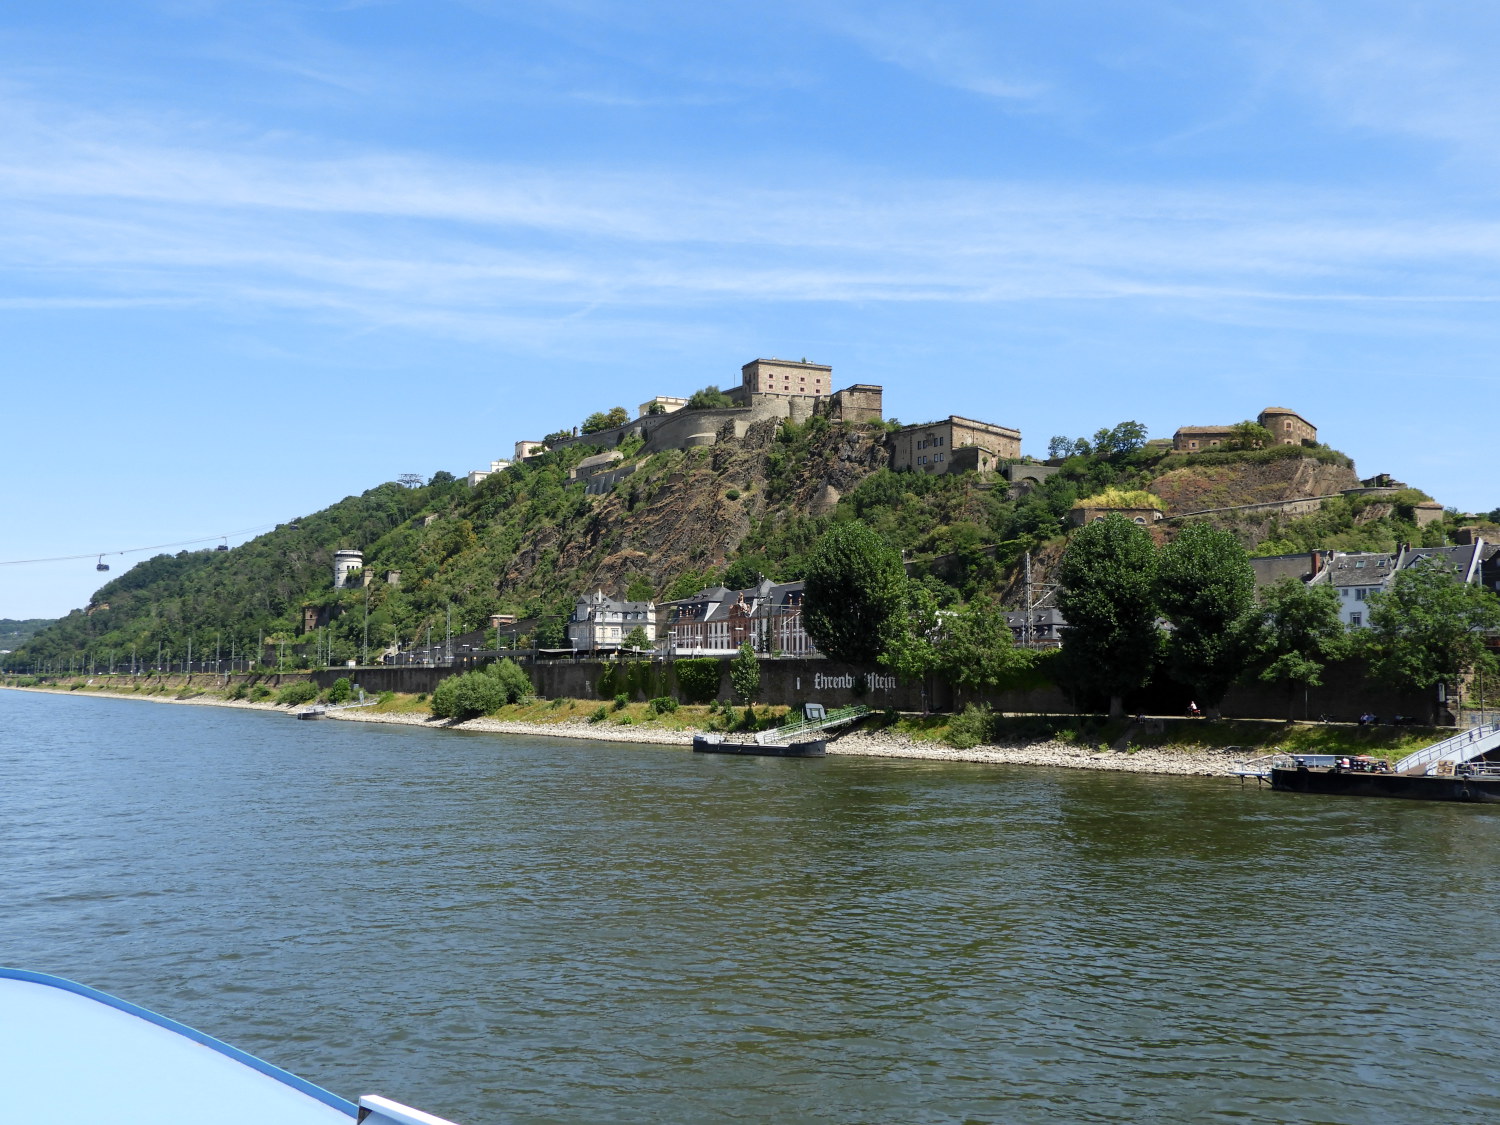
<point x="936" y="48"/>
<point x="1424" y="70"/>
<point x="98" y="210"/>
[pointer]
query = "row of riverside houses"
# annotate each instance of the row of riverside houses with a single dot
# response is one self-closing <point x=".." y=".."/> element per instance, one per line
<point x="1354" y="576"/>
<point x="768" y="616"/>
<point x="713" y="622"/>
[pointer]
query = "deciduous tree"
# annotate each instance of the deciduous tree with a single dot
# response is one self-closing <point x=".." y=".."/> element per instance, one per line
<point x="1206" y="589"/>
<point x="975" y="647"/>
<point x="855" y="590"/>
<point x="1108" y="597"/>
<point x="911" y="648"/>
<point x="744" y="674"/>
<point x="1297" y="633"/>
<point x="1249" y="435"/>
<point x="1428" y="627"/>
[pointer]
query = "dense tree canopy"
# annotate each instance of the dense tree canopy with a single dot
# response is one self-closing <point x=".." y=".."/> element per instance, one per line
<point x="1428" y="627"/>
<point x="854" y="594"/>
<point x="1206" y="590"/>
<point x="1298" y="632"/>
<point x="1108" y="597"/>
<point x="975" y="647"/>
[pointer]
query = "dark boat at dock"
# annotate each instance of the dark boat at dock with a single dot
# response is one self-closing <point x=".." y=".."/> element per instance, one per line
<point x="1457" y="768"/>
<point x="716" y="744"/>
<point x="1481" y="787"/>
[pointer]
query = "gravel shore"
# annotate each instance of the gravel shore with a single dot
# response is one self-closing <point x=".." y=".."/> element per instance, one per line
<point x="1196" y="762"/>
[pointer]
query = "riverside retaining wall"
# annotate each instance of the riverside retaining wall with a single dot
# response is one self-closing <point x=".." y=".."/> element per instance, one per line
<point x="1346" y="692"/>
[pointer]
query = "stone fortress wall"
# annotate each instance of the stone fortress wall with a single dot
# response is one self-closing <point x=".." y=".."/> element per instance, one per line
<point x="783" y="397"/>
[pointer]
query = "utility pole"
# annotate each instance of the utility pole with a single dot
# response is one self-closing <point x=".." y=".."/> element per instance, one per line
<point x="189" y="668"/>
<point x="448" y="645"/>
<point x="1026" y="621"/>
<point x="364" y="659"/>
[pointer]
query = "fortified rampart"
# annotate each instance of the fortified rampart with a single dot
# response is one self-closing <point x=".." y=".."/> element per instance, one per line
<point x="687" y="429"/>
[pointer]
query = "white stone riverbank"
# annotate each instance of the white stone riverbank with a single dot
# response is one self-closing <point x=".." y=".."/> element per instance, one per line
<point x="1195" y="761"/>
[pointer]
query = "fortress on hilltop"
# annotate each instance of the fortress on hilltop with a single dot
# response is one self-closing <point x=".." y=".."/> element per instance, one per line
<point x="795" y="390"/>
<point x="1287" y="427"/>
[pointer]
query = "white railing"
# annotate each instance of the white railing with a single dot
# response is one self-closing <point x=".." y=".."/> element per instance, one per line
<point x="1462" y="747"/>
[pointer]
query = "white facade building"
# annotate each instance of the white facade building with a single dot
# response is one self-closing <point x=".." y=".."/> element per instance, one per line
<point x="601" y="623"/>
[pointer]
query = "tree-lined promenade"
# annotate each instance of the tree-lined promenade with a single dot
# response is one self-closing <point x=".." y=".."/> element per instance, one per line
<point x="1187" y="613"/>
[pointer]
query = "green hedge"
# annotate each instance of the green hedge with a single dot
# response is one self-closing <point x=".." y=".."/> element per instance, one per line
<point x="698" y="678"/>
<point x="304" y="691"/>
<point x="635" y="679"/>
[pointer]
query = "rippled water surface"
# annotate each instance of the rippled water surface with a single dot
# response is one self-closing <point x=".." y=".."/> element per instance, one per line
<point x="501" y="929"/>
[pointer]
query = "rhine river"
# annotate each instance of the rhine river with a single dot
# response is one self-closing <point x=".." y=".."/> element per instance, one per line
<point x="500" y="929"/>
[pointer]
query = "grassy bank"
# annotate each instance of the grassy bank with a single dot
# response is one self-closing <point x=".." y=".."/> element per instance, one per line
<point x="547" y="712"/>
<point x="1251" y="736"/>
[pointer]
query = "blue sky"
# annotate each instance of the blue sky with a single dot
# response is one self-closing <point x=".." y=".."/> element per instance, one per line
<point x="255" y="257"/>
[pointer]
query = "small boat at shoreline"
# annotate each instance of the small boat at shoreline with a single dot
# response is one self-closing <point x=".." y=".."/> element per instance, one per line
<point x="718" y="744"/>
<point x="70" y="1054"/>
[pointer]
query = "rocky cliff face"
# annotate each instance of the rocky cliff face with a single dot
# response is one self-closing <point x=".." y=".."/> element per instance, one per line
<point x="1197" y="487"/>
<point x="688" y="510"/>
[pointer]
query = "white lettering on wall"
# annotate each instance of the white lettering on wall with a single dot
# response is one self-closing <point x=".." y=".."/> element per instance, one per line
<point x="873" y="682"/>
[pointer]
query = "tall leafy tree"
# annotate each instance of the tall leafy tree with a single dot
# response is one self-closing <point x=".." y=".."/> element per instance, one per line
<point x="854" y="594"/>
<point x="1206" y="589"/>
<point x="1249" y="435"/>
<point x="1108" y="597"/>
<point x="911" y="650"/>
<point x="1127" y="437"/>
<point x="1298" y="632"/>
<point x="744" y="674"/>
<point x="1428" y="628"/>
<point x="975" y="647"/>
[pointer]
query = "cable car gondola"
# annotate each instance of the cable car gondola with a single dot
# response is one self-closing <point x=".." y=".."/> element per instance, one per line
<point x="101" y="564"/>
<point x="224" y="546"/>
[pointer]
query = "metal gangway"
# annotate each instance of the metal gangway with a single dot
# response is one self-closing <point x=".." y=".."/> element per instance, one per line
<point x="1465" y="746"/>
<point x="321" y="710"/>
<point x="814" y="718"/>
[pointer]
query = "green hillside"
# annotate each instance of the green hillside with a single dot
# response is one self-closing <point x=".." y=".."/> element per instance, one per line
<point x="529" y="539"/>
<point x="16" y="632"/>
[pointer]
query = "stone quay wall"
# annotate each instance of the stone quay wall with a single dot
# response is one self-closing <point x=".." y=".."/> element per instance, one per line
<point x="1346" y="693"/>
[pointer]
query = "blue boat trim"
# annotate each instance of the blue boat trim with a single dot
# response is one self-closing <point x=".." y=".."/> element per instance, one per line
<point x="301" y="1085"/>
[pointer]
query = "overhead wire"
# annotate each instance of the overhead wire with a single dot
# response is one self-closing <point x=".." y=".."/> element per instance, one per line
<point x="138" y="550"/>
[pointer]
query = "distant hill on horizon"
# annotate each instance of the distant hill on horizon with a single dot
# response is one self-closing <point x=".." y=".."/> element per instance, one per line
<point x="15" y="631"/>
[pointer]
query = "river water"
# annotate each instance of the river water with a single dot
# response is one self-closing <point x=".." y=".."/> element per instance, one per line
<point x="502" y="929"/>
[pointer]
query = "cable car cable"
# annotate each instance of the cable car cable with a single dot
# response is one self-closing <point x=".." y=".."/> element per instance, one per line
<point x="136" y="550"/>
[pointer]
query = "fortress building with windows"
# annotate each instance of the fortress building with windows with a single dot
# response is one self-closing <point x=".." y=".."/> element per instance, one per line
<point x="954" y="444"/>
<point x="1286" y="427"/>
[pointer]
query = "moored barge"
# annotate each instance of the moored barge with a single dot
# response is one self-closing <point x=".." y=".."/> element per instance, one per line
<point x="1462" y="767"/>
<point x="717" y="744"/>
